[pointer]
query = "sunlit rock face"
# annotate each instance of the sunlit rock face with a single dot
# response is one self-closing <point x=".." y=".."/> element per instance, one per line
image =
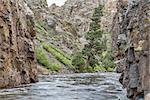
<point x="132" y="21"/>
<point x="17" y="58"/>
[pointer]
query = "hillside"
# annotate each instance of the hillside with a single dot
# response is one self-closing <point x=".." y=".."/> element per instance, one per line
<point x="62" y="32"/>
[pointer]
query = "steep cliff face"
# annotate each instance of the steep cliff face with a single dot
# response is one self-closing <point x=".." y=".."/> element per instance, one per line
<point x="68" y="24"/>
<point x="131" y="38"/>
<point x="41" y="11"/>
<point x="38" y="6"/>
<point x="78" y="13"/>
<point x="118" y="37"/>
<point x="17" y="59"/>
<point x="109" y="11"/>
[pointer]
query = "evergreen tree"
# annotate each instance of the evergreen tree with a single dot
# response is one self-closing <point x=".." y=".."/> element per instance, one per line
<point x="96" y="43"/>
<point x="96" y="53"/>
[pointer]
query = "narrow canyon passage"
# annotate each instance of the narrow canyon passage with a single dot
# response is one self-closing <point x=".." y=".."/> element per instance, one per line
<point x="87" y="86"/>
<point x="87" y="37"/>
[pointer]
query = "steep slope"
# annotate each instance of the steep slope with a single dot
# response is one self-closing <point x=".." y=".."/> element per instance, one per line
<point x="51" y="46"/>
<point x="78" y="14"/>
<point x="61" y="30"/>
<point x="109" y="11"/>
<point x="131" y="38"/>
<point x="17" y="58"/>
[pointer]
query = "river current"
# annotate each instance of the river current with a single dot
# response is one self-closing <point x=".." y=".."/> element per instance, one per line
<point x="84" y="86"/>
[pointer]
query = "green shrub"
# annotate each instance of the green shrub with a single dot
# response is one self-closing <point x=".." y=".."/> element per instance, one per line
<point x="59" y="51"/>
<point x="89" y="69"/>
<point x="109" y="69"/>
<point x="55" y="67"/>
<point x="43" y="59"/>
<point x="40" y="29"/>
<point x="99" y="68"/>
<point x="43" y="29"/>
<point x="78" y="62"/>
<point x="59" y="56"/>
<point x="39" y="39"/>
<point x="107" y="60"/>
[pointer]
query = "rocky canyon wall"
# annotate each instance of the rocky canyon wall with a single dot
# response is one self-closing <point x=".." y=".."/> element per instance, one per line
<point x="78" y="13"/>
<point x="131" y="42"/>
<point x="41" y="11"/>
<point x="74" y="17"/>
<point x="17" y="58"/>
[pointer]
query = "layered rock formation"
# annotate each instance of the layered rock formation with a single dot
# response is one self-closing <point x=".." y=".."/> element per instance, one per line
<point x="17" y="58"/>
<point x="131" y="38"/>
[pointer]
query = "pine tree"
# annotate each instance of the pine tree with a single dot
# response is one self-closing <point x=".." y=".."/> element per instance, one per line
<point x="96" y="53"/>
<point x="96" y="43"/>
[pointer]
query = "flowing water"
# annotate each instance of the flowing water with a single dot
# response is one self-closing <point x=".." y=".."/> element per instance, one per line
<point x="88" y="86"/>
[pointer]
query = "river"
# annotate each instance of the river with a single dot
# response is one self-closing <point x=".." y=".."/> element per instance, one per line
<point x="84" y="86"/>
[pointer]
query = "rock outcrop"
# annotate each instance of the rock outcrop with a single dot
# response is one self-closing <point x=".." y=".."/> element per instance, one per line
<point x="17" y="58"/>
<point x="41" y="11"/>
<point x="109" y="11"/>
<point x="131" y="38"/>
<point x="79" y="13"/>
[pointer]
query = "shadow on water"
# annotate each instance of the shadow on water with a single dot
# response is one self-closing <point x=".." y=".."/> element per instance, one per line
<point x="87" y="86"/>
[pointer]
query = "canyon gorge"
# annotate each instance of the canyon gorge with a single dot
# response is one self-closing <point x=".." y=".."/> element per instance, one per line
<point x="39" y="39"/>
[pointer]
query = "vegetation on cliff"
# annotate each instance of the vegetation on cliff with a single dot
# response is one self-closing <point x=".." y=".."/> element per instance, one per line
<point x="97" y="52"/>
<point x="95" y="56"/>
<point x="61" y="57"/>
<point x="73" y="38"/>
<point x="46" y="48"/>
<point x="43" y="59"/>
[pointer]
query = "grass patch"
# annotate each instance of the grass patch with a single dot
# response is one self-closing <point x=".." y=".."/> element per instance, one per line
<point x="43" y="29"/>
<point x="40" y="29"/>
<point x="99" y="68"/>
<point x="39" y="39"/>
<point x="61" y="57"/>
<point x="59" y="51"/>
<point x="43" y="59"/>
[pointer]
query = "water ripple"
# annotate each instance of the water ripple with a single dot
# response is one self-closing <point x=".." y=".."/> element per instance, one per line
<point x="87" y="86"/>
